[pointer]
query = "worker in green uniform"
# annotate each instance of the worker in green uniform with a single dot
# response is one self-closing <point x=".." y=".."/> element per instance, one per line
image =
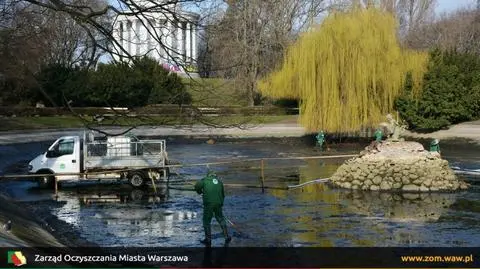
<point x="378" y="135"/>
<point x="435" y="146"/>
<point x="213" y="194"/>
<point x="320" y="139"/>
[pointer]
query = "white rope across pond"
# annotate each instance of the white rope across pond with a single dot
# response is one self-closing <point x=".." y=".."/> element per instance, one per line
<point x="207" y="164"/>
<point x="320" y="180"/>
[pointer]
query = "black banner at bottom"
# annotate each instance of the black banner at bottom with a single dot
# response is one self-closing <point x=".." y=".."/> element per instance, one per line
<point x="234" y="257"/>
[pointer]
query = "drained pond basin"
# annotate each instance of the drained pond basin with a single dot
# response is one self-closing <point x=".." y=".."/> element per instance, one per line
<point x="314" y="215"/>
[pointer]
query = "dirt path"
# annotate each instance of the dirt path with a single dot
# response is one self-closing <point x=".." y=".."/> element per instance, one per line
<point x="286" y="128"/>
<point x="468" y="130"/>
<point x="254" y="131"/>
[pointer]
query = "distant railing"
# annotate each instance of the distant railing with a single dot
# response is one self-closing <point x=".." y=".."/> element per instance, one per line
<point x="154" y="110"/>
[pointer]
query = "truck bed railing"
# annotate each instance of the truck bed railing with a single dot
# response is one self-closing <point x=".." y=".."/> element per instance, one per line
<point x="126" y="149"/>
<point x="123" y="151"/>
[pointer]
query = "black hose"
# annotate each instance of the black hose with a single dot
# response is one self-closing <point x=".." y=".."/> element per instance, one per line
<point x="180" y="189"/>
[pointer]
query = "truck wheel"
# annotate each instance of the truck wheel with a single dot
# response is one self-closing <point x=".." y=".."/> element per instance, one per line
<point x="136" y="179"/>
<point x="136" y="195"/>
<point x="46" y="182"/>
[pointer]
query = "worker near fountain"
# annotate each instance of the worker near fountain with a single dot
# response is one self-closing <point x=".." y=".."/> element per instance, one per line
<point x="320" y="139"/>
<point x="378" y="139"/>
<point x="435" y="146"/>
<point x="378" y="135"/>
<point x="213" y="195"/>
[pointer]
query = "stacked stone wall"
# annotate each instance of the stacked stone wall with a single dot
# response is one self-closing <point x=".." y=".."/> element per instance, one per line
<point x="393" y="167"/>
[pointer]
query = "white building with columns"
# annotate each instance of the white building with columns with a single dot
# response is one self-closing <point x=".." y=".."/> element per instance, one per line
<point x="170" y="38"/>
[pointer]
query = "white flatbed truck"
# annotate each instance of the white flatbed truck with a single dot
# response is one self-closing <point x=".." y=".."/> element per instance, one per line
<point x="94" y="157"/>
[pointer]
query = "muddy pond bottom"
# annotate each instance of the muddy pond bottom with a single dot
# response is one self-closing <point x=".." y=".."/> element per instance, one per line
<point x="315" y="215"/>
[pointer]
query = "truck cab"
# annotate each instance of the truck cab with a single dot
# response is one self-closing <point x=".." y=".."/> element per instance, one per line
<point x="62" y="157"/>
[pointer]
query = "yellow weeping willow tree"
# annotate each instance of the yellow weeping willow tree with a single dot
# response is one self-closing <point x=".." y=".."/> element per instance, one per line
<point x="347" y="72"/>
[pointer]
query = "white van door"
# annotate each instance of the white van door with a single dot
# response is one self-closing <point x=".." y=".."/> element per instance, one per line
<point x="64" y="157"/>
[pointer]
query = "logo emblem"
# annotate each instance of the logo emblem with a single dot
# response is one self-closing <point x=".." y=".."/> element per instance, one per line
<point x="215" y="181"/>
<point x="16" y="258"/>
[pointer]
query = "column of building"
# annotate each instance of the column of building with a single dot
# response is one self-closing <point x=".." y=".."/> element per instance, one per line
<point x="118" y="36"/>
<point x="158" y="47"/>
<point x="151" y="35"/>
<point x="188" y="42"/>
<point x="131" y="37"/>
<point x="168" y="42"/>
<point x="194" y="44"/>
<point x="143" y="37"/>
<point x="180" y="44"/>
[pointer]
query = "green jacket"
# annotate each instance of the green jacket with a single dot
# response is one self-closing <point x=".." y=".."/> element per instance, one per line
<point x="320" y="137"/>
<point x="434" y="148"/>
<point x="378" y="135"/>
<point x="211" y="189"/>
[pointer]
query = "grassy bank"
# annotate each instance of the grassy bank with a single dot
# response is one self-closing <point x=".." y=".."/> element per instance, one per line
<point x="28" y="123"/>
<point x="214" y="92"/>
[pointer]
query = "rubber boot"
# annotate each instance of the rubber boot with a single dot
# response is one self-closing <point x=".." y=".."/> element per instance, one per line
<point x="228" y="238"/>
<point x="208" y="237"/>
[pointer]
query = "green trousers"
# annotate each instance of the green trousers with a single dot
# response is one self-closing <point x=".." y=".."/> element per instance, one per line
<point x="210" y="211"/>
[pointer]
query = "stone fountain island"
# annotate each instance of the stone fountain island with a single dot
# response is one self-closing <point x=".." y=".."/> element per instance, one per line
<point x="397" y="165"/>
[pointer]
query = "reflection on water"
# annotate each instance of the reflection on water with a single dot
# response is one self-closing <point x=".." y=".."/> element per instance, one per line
<point x="314" y="215"/>
<point x="400" y="207"/>
<point x="123" y="217"/>
<point x="320" y="215"/>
